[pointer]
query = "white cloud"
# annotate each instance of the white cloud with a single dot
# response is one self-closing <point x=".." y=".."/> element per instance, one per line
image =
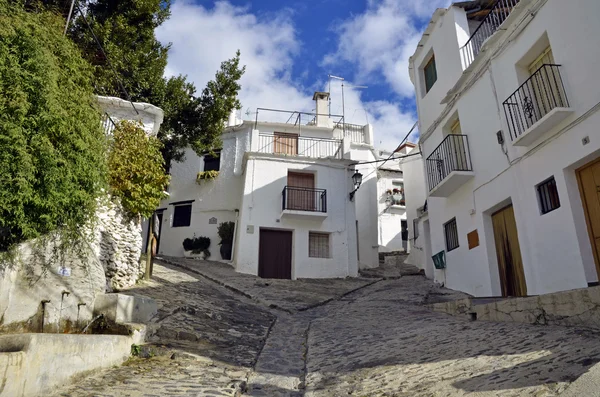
<point x="382" y="39"/>
<point x="203" y="37"/>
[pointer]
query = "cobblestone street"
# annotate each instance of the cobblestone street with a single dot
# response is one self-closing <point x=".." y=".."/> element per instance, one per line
<point x="373" y="339"/>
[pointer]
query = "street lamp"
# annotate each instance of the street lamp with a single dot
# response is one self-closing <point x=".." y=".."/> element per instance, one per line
<point x="357" y="180"/>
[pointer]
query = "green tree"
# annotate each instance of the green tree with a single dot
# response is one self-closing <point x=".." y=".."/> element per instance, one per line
<point x="135" y="169"/>
<point x="52" y="147"/>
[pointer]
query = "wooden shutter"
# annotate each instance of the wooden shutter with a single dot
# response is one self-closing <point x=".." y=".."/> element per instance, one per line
<point x="285" y="143"/>
<point x="303" y="196"/>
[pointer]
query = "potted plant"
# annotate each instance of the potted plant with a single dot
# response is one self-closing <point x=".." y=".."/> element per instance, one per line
<point x="398" y="196"/>
<point x="196" y="247"/>
<point x="225" y="231"/>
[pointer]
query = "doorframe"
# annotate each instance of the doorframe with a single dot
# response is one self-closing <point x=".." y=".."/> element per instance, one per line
<point x="276" y="229"/>
<point x="586" y="214"/>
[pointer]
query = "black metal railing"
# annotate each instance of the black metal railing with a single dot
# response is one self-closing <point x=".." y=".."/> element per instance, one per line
<point x="295" y="145"/>
<point x="450" y="155"/>
<point x="304" y="199"/>
<point x="292" y="117"/>
<point x="108" y="125"/>
<point x="534" y="99"/>
<point x="490" y="24"/>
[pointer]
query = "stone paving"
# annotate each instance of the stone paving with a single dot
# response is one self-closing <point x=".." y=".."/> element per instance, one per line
<point x="379" y="340"/>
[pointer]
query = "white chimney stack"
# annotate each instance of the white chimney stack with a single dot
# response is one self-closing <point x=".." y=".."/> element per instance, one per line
<point x="322" y="100"/>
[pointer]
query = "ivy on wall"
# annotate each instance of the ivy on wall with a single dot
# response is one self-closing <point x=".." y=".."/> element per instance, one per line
<point x="136" y="169"/>
<point x="52" y="147"/>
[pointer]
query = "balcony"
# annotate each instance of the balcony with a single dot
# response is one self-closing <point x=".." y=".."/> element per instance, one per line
<point x="286" y="144"/>
<point x="303" y="203"/>
<point x="108" y="125"/>
<point x="538" y="105"/>
<point x="449" y="166"/>
<point x="498" y="13"/>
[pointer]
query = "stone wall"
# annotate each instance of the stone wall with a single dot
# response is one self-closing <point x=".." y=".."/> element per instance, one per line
<point x="118" y="244"/>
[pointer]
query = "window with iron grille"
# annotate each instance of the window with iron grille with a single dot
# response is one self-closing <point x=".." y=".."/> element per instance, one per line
<point x="451" y="235"/>
<point x="182" y="215"/>
<point x="212" y="163"/>
<point x="416" y="228"/>
<point x="430" y="73"/>
<point x="318" y="245"/>
<point x="548" y="196"/>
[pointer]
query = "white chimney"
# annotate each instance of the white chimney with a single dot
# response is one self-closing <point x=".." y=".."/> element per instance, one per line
<point x="322" y="108"/>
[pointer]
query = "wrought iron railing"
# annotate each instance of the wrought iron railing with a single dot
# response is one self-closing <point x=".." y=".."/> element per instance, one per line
<point x="295" y="145"/>
<point x="304" y="199"/>
<point x="108" y="125"/>
<point x="450" y="155"/>
<point x="295" y="118"/>
<point x="490" y="24"/>
<point x="534" y="99"/>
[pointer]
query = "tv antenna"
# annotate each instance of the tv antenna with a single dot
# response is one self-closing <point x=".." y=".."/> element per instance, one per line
<point x="343" y="105"/>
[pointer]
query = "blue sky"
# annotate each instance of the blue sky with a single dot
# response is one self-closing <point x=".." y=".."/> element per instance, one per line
<point x="289" y="48"/>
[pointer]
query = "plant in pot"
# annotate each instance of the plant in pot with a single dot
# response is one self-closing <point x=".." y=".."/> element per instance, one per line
<point x="225" y="231"/>
<point x="196" y="247"/>
<point x="398" y="196"/>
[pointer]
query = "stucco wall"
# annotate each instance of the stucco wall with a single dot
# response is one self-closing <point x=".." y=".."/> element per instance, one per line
<point x="261" y="208"/>
<point x="390" y="217"/>
<point x="119" y="109"/>
<point x="555" y="247"/>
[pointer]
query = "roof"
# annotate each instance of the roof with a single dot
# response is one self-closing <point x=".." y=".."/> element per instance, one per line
<point x="407" y="144"/>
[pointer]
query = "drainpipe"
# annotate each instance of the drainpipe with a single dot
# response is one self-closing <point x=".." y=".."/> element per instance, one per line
<point x="233" y="242"/>
<point x="44" y="302"/>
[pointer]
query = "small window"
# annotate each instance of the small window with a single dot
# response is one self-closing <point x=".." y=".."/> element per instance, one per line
<point x="182" y="215"/>
<point x="451" y="235"/>
<point x="212" y="163"/>
<point x="430" y="73"/>
<point x="548" y="196"/>
<point x="404" y="229"/>
<point x="416" y="228"/>
<point x="318" y="245"/>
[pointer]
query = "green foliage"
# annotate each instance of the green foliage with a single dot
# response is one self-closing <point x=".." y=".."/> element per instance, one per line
<point x="135" y="169"/>
<point x="52" y="147"/>
<point x="136" y="350"/>
<point x="206" y="175"/>
<point x="197" y="245"/>
<point x="225" y="232"/>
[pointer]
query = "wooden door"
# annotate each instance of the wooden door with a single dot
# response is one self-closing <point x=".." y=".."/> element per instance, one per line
<point x="275" y="254"/>
<point x="508" y="252"/>
<point x="284" y="143"/>
<point x="589" y="187"/>
<point x="301" y="191"/>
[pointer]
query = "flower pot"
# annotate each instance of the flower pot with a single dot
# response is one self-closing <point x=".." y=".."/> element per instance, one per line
<point x="226" y="250"/>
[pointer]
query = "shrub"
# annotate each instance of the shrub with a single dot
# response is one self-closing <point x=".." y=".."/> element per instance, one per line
<point x="197" y="245"/>
<point x="136" y="169"/>
<point x="52" y="147"/>
<point x="225" y="231"/>
<point x="206" y="175"/>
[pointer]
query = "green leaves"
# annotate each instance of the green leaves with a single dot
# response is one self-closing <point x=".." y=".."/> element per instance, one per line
<point x="52" y="147"/>
<point x="136" y="172"/>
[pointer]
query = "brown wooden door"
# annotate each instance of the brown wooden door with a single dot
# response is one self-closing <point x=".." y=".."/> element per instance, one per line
<point x="589" y="186"/>
<point x="285" y="143"/>
<point x="508" y="252"/>
<point x="275" y="254"/>
<point x="301" y="193"/>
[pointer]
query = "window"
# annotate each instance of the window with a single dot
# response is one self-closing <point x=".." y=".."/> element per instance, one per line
<point x="416" y="228"/>
<point x="285" y="143"/>
<point x="430" y="73"/>
<point x="212" y="163"/>
<point x="318" y="245"/>
<point x="548" y="196"/>
<point x="404" y="229"/>
<point x="182" y="215"/>
<point x="451" y="235"/>
<point x="398" y="193"/>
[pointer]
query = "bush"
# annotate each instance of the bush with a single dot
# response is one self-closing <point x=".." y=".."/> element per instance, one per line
<point x="225" y="231"/>
<point x="206" y="175"/>
<point x="196" y="244"/>
<point x="136" y="169"/>
<point x="52" y="146"/>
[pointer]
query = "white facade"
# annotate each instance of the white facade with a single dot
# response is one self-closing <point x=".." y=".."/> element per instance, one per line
<point x="256" y="160"/>
<point x="149" y="116"/>
<point x="555" y="247"/>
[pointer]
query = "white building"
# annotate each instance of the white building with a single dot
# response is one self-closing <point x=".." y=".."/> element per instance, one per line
<point x="392" y="205"/>
<point x="284" y="179"/>
<point x="508" y="99"/>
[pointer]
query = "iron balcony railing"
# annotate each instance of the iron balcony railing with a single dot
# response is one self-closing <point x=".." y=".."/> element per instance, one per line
<point x="490" y="24"/>
<point x="450" y="155"/>
<point x="304" y="199"/>
<point x="295" y="118"/>
<point x="295" y="145"/>
<point x="108" y="125"/>
<point x="534" y="99"/>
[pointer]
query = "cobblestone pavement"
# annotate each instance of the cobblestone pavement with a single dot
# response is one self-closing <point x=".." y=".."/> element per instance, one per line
<point x="376" y="341"/>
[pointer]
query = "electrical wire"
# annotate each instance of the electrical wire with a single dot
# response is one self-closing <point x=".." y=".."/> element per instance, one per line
<point x="405" y="138"/>
<point x="106" y="57"/>
<point x="384" y="160"/>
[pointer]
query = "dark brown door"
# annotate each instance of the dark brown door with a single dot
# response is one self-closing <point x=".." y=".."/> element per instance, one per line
<point x="589" y="186"/>
<point x="275" y="254"/>
<point x="301" y="193"/>
<point x="285" y="143"/>
<point x="508" y="252"/>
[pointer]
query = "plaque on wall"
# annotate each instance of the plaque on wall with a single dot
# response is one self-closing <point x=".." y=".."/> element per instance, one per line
<point x="212" y="221"/>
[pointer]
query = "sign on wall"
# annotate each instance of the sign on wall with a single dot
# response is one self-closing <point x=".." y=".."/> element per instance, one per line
<point x="212" y="221"/>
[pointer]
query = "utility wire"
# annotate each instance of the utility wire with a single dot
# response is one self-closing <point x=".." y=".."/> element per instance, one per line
<point x="405" y="138"/>
<point x="106" y="57"/>
<point x="384" y="160"/>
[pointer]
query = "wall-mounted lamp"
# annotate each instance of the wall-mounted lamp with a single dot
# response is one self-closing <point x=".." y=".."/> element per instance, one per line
<point x="357" y="180"/>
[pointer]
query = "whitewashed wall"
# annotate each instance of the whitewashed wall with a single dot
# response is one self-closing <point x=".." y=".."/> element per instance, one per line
<point x="390" y="217"/>
<point x="119" y="109"/>
<point x="555" y="247"/>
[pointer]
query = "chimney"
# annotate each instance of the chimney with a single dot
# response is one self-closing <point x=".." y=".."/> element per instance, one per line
<point x="322" y="108"/>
